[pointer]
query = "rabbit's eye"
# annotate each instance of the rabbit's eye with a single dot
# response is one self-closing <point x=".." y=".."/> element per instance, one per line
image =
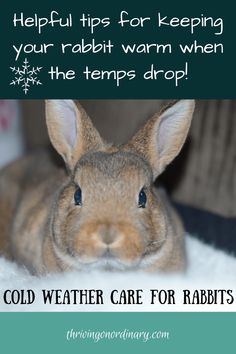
<point x="142" y="199"/>
<point x="78" y="196"/>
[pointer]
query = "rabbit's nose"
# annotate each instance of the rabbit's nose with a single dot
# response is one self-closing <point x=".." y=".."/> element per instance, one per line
<point x="108" y="234"/>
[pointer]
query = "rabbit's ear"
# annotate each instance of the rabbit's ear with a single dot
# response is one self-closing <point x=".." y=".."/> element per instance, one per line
<point x="163" y="136"/>
<point x="70" y="130"/>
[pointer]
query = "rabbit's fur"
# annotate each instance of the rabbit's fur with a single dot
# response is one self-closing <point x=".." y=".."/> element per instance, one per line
<point x="42" y="228"/>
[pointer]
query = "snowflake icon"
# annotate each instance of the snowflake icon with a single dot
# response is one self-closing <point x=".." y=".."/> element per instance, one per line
<point x="25" y="76"/>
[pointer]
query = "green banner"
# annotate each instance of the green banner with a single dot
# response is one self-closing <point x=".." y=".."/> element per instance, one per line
<point x="118" y="332"/>
<point x="117" y="49"/>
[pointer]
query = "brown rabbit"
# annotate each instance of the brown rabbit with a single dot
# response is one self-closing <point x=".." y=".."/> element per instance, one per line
<point x="103" y="211"/>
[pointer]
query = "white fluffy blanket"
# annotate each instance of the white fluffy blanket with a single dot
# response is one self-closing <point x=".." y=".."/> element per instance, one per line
<point x="207" y="268"/>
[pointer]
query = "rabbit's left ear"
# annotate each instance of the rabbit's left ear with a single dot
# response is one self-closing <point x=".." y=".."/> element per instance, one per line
<point x="70" y="130"/>
<point x="162" y="137"/>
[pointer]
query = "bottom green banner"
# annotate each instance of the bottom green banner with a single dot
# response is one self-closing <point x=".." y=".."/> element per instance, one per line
<point x="117" y="332"/>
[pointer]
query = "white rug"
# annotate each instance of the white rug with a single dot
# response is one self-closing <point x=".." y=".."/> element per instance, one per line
<point x="207" y="268"/>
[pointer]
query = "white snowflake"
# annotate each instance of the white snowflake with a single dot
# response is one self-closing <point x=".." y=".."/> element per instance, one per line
<point x="25" y="76"/>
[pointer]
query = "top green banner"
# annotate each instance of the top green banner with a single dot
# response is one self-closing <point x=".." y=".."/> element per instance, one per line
<point x="122" y="49"/>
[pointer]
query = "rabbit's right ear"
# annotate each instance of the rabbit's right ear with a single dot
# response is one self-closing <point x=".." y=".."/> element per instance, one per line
<point x="160" y="140"/>
<point x="70" y="130"/>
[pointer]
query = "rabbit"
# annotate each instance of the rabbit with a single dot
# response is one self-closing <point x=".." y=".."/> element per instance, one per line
<point x="101" y="210"/>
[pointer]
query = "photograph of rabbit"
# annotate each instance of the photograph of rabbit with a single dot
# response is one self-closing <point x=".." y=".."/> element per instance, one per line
<point x="116" y="185"/>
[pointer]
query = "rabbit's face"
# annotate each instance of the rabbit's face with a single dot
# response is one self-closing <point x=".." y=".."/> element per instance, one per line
<point x="108" y="216"/>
